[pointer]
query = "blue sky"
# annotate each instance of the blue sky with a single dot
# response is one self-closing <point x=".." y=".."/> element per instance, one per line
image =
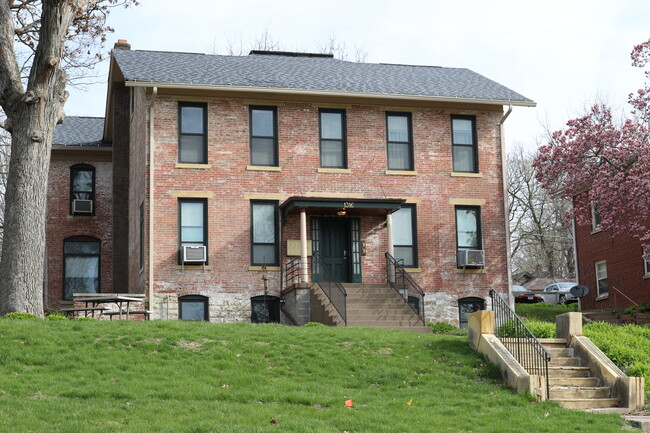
<point x="562" y="54"/>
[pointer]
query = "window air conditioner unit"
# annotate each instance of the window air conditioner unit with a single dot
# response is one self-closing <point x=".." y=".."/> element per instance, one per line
<point x="194" y="254"/>
<point x="82" y="206"/>
<point x="471" y="258"/>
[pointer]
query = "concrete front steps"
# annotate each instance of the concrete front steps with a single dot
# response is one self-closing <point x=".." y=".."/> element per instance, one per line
<point x="570" y="383"/>
<point x="380" y="306"/>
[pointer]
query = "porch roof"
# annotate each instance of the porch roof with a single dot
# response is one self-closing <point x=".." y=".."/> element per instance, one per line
<point x="352" y="206"/>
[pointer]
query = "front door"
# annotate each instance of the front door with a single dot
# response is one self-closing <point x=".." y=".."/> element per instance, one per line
<point x="335" y="247"/>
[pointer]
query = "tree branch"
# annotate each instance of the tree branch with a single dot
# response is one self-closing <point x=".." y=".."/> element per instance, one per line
<point x="11" y="88"/>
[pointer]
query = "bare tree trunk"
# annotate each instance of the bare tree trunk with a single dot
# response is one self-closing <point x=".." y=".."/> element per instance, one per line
<point x="31" y="118"/>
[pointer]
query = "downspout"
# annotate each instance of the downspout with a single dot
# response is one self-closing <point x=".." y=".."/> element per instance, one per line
<point x="575" y="257"/>
<point x="504" y="176"/>
<point x="154" y="93"/>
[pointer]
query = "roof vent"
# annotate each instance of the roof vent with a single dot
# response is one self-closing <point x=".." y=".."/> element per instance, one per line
<point x="122" y="44"/>
<point x="289" y="54"/>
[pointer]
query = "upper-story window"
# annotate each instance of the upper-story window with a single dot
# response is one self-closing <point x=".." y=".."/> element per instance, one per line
<point x="193" y="230"/>
<point x="264" y="233"/>
<point x="81" y="264"/>
<point x="464" y="144"/>
<point x="596" y="219"/>
<point x="264" y="136"/>
<point x="333" y="153"/>
<point x="469" y="244"/>
<point x="192" y="133"/>
<point x="82" y="189"/>
<point x="405" y="236"/>
<point x="646" y="262"/>
<point x="602" y="283"/>
<point x="399" y="142"/>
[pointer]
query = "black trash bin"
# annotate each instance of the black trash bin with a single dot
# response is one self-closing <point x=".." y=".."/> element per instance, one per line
<point x="265" y="309"/>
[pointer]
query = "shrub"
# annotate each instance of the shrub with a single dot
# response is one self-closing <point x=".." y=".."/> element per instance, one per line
<point x="442" y="328"/>
<point x="19" y="316"/>
<point x="55" y="317"/>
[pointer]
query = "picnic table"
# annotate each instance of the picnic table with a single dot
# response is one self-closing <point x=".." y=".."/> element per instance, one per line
<point x="123" y="305"/>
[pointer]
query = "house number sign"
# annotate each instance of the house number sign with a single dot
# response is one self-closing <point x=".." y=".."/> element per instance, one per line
<point x="348" y="205"/>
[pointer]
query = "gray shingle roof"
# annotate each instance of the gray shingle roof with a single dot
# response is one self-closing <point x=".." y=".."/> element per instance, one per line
<point x="311" y="74"/>
<point x="80" y="131"/>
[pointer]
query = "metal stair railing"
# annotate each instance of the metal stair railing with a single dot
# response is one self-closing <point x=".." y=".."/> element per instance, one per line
<point x="291" y="274"/>
<point x="636" y="306"/>
<point x="406" y="286"/>
<point x="519" y="339"/>
<point x="330" y="285"/>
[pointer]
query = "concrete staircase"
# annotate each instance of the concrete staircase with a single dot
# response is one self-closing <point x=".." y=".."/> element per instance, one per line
<point x="380" y="306"/>
<point x="571" y="383"/>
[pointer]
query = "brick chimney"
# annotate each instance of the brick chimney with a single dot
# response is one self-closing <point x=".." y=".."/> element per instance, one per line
<point x="122" y="44"/>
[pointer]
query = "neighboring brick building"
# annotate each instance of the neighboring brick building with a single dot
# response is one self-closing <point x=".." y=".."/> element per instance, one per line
<point x="248" y="162"/>
<point x="613" y="267"/>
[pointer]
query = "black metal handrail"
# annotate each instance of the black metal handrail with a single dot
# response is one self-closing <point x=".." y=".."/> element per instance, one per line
<point x="330" y="285"/>
<point x="519" y="339"/>
<point x="406" y="286"/>
<point x="291" y="273"/>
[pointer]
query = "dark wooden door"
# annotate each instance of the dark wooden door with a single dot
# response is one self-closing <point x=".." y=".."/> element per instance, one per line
<point x="335" y="247"/>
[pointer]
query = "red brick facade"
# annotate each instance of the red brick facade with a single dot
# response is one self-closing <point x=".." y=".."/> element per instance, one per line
<point x="229" y="186"/>
<point x="61" y="225"/>
<point x="626" y="271"/>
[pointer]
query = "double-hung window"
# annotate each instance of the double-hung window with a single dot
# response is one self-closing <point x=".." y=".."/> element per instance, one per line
<point x="192" y="133"/>
<point x="81" y="264"/>
<point x="405" y="236"/>
<point x="468" y="235"/>
<point x="264" y="136"/>
<point x="464" y="144"/>
<point x="264" y="233"/>
<point x="332" y="138"/>
<point x="399" y="141"/>
<point x="602" y="283"/>
<point x="82" y="189"/>
<point x="193" y="227"/>
<point x="646" y="262"/>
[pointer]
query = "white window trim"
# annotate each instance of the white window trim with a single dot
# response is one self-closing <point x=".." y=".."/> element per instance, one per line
<point x="594" y="227"/>
<point x="646" y="265"/>
<point x="601" y="295"/>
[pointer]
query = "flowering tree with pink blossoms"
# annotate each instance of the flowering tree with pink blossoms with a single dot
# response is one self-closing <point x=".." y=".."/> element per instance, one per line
<point x="604" y="164"/>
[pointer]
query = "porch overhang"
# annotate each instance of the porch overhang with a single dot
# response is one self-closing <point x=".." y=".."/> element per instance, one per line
<point x="333" y="205"/>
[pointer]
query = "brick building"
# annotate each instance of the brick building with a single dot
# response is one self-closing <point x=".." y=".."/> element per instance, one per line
<point x="613" y="267"/>
<point x="232" y="172"/>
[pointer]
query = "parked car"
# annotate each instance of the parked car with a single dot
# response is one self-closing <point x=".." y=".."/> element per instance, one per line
<point x="558" y="293"/>
<point x="525" y="296"/>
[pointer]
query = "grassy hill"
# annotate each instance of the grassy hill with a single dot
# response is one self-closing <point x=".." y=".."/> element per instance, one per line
<point x="172" y="376"/>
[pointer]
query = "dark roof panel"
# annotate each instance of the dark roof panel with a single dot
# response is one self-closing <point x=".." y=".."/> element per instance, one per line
<point x="310" y="73"/>
<point x="80" y="131"/>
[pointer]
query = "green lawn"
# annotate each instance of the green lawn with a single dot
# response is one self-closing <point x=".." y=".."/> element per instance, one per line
<point x="172" y="376"/>
<point x="543" y="312"/>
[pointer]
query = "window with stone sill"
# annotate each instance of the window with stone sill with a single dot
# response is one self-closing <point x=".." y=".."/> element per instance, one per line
<point x="464" y="144"/>
<point x="82" y="190"/>
<point x="192" y="133"/>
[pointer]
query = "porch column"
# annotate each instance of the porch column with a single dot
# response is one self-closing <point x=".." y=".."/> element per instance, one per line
<point x="390" y="249"/>
<point x="304" y="269"/>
